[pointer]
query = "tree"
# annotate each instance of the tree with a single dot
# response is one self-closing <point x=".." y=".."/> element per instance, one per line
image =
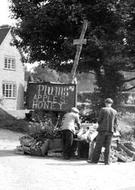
<point x="47" y="29"/>
<point x="129" y="21"/>
<point x="42" y="73"/>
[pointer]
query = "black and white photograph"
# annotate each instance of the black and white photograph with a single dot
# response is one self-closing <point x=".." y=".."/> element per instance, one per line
<point x="67" y="94"/>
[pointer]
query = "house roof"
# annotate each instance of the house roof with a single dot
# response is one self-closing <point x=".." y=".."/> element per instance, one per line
<point x="3" y="33"/>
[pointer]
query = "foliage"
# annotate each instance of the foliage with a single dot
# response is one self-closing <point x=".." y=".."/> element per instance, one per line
<point x="127" y="125"/>
<point x="110" y="84"/>
<point x="47" y="30"/>
<point x="38" y="21"/>
<point x="43" y="73"/>
<point x="43" y="130"/>
<point x="43" y="126"/>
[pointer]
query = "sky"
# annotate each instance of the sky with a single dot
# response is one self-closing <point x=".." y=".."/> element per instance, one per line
<point x="4" y="13"/>
<point x="5" y="19"/>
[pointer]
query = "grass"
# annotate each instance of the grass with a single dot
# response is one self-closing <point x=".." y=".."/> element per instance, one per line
<point x="7" y="121"/>
<point x="17" y="125"/>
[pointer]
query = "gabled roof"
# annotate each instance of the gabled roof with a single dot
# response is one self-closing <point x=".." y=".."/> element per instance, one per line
<point x="3" y="33"/>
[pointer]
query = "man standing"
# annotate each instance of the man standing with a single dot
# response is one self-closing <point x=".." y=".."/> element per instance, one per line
<point x="68" y="131"/>
<point x="107" y="122"/>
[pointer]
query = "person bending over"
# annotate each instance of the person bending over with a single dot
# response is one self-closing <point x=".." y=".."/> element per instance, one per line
<point x="68" y="127"/>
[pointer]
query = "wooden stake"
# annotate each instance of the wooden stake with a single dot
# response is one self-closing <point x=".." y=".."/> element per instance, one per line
<point x="79" y="42"/>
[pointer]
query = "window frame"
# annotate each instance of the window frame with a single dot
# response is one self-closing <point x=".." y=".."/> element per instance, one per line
<point x="9" y="89"/>
<point x="9" y="63"/>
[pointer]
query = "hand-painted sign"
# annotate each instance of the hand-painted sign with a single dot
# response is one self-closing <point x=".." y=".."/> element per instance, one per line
<point x="50" y="96"/>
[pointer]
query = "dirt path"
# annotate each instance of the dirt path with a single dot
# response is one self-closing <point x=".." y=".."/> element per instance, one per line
<point x="21" y="172"/>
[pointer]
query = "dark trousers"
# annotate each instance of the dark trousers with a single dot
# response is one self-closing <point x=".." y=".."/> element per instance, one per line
<point x="67" y="138"/>
<point x="102" y="139"/>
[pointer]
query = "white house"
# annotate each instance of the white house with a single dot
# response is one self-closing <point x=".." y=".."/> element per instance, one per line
<point x="11" y="73"/>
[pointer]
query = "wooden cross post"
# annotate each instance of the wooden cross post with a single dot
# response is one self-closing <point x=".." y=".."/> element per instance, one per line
<point x="79" y="42"/>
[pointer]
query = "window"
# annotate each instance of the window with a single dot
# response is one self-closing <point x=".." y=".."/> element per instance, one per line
<point x="9" y="63"/>
<point x="9" y="89"/>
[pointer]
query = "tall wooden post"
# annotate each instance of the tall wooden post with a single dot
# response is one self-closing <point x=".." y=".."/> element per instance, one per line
<point x="79" y="42"/>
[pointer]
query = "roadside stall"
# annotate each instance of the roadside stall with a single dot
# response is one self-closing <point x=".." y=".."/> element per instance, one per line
<point x="54" y="99"/>
<point x="48" y="102"/>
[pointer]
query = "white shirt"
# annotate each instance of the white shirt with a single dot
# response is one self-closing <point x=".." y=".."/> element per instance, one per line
<point x="69" y="121"/>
